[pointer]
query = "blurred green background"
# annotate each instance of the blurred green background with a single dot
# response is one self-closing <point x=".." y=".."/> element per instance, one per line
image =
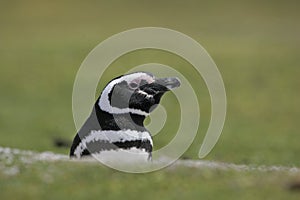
<point x="255" y="45"/>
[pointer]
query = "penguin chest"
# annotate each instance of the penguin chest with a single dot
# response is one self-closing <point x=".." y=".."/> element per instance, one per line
<point x="121" y="145"/>
<point x="131" y="155"/>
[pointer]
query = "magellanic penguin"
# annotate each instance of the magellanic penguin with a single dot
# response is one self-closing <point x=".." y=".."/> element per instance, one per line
<point x="116" y="121"/>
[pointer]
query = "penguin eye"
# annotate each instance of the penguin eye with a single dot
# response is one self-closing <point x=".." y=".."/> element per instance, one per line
<point x="133" y="85"/>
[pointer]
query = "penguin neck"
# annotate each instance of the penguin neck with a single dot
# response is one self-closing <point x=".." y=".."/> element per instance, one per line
<point x="123" y="121"/>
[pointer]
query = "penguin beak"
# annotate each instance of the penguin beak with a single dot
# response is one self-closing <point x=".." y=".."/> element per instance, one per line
<point x="169" y="82"/>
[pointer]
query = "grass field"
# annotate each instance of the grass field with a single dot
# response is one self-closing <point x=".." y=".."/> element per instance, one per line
<point x="255" y="45"/>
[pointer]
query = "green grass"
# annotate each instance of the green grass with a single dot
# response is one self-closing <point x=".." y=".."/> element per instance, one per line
<point x="254" y="44"/>
<point x="68" y="180"/>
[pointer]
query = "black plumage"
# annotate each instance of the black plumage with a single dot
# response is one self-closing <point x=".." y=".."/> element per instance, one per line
<point x="116" y="120"/>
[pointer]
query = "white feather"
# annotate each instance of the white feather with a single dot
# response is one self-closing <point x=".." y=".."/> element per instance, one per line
<point x="131" y="156"/>
<point x="112" y="136"/>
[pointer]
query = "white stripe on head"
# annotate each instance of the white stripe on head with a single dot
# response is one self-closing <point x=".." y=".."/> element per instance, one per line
<point x="145" y="93"/>
<point x="104" y="103"/>
<point x="112" y="136"/>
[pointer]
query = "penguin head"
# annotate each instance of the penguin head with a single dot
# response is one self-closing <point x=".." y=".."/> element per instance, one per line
<point x="136" y="93"/>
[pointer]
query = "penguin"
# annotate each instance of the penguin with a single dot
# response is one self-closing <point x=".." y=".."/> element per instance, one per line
<point x="116" y="122"/>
